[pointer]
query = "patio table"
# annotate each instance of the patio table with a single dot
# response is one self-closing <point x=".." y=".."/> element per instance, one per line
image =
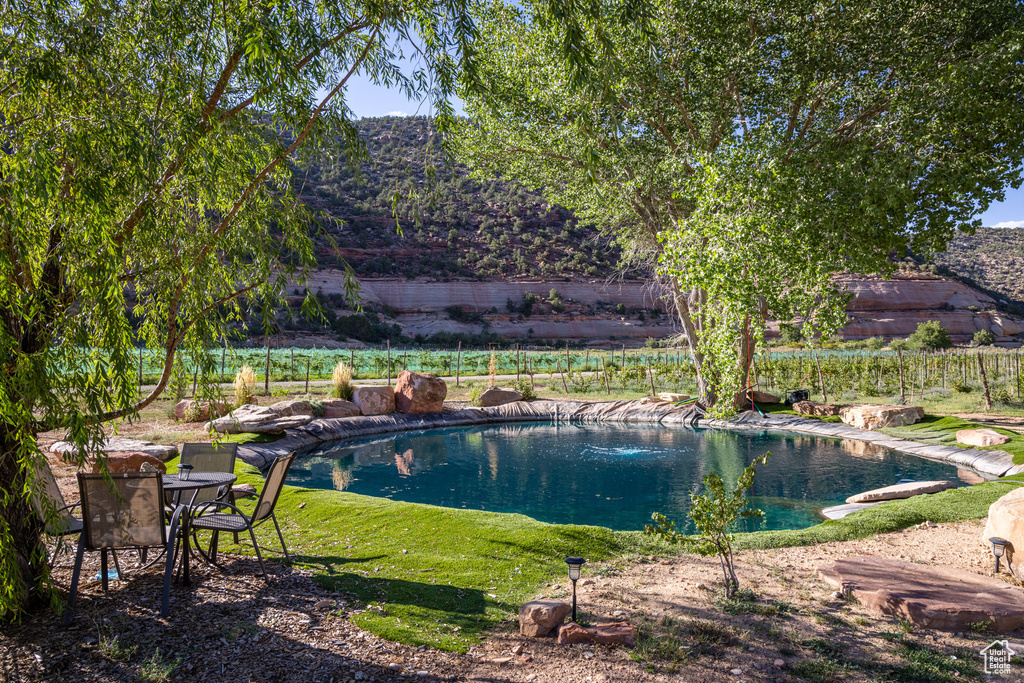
<point x="195" y="482"/>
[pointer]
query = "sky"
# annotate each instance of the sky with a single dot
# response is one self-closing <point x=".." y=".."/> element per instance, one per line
<point x="369" y="100"/>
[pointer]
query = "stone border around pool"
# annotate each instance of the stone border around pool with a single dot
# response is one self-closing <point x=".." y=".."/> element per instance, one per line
<point x="993" y="463"/>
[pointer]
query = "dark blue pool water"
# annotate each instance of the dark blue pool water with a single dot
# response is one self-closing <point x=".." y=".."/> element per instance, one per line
<point x="607" y="475"/>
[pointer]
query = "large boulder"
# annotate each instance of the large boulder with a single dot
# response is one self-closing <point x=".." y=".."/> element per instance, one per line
<point x="617" y="633"/>
<point x="419" y="392"/>
<point x="901" y="491"/>
<point x="672" y="397"/>
<point x="541" y="617"/>
<point x="374" y="400"/>
<point x="877" y="417"/>
<point x="294" y="407"/>
<point x="130" y="461"/>
<point x="816" y="409"/>
<point x="190" y="410"/>
<point x="116" y="444"/>
<point x="1006" y="520"/>
<point x="339" y="407"/>
<point x="981" y="437"/>
<point x="254" y="419"/>
<point x="927" y="596"/>
<point x="498" y="396"/>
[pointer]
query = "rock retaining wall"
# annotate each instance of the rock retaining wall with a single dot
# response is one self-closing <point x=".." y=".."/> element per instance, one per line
<point x="992" y="463"/>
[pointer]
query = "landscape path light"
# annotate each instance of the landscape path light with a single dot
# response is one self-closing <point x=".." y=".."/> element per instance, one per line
<point x="998" y="549"/>
<point x="575" y="566"/>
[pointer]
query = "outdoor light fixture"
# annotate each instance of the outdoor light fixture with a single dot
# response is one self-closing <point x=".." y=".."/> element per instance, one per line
<point x="998" y="549"/>
<point x="184" y="471"/>
<point x="575" y="565"/>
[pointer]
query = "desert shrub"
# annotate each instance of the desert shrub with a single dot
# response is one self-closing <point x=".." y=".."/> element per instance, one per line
<point x="522" y="385"/>
<point x="245" y="386"/>
<point x="930" y="335"/>
<point x="874" y="343"/>
<point x="984" y="338"/>
<point x="555" y="299"/>
<point x="341" y="381"/>
<point x="474" y="394"/>
<point x="790" y="334"/>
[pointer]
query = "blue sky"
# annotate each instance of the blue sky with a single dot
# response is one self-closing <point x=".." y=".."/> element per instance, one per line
<point x="369" y="100"/>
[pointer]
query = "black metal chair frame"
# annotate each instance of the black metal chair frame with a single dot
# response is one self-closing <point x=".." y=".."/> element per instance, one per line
<point x="216" y="523"/>
<point x="169" y="531"/>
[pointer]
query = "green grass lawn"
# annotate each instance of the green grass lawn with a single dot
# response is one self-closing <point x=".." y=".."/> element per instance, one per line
<point x="939" y="429"/>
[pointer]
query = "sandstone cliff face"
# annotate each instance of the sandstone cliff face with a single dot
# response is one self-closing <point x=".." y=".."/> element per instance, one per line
<point x="885" y="308"/>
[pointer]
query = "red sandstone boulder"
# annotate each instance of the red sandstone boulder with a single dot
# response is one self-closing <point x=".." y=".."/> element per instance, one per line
<point x="617" y="633"/>
<point x="130" y="461"/>
<point x="293" y="407"/>
<point x="339" y="407"/>
<point x="541" y="617"/>
<point x="374" y="400"/>
<point x="872" y="417"/>
<point x="816" y="409"/>
<point x="419" y="392"/>
<point x="498" y="396"/>
<point x="189" y="410"/>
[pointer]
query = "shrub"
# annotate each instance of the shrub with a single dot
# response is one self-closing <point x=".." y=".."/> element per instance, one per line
<point x="984" y="338"/>
<point x="245" y="386"/>
<point x="474" y="394"/>
<point x="555" y="299"/>
<point x="961" y="388"/>
<point x="930" y="335"/>
<point x="341" y="380"/>
<point x="790" y="334"/>
<point x="874" y="343"/>
<point x="900" y="345"/>
<point x="523" y="386"/>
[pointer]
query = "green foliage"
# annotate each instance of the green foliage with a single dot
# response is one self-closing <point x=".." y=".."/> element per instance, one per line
<point x="790" y="334"/>
<point x="713" y="151"/>
<point x="524" y="387"/>
<point x="874" y="343"/>
<point x="714" y="513"/>
<point x="900" y="345"/>
<point x="930" y="336"/>
<point x="555" y="299"/>
<point x="984" y="338"/>
<point x="367" y="327"/>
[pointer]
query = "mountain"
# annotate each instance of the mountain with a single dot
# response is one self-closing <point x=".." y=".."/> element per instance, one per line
<point x="992" y="259"/>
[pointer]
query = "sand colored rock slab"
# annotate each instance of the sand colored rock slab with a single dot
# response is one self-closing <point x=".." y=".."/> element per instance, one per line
<point x="815" y="408"/>
<point x="840" y="511"/>
<point x="901" y="491"/>
<point x="290" y="408"/>
<point x="339" y="407"/>
<point x="1006" y="520"/>
<point x="497" y="396"/>
<point x="189" y="410"/>
<point x="926" y="596"/>
<point x="873" y="417"/>
<point x="981" y="437"/>
<point x="419" y="392"/>
<point x="672" y="397"/>
<point x="617" y="633"/>
<point x="374" y="400"/>
<point x="253" y="419"/>
<point x="118" y="444"/>
<point x="541" y="617"/>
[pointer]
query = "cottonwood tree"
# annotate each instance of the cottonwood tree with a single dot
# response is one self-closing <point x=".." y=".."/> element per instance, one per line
<point x="146" y="193"/>
<point x="752" y="150"/>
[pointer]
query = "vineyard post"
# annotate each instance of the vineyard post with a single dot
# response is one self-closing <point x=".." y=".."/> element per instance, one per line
<point x="140" y="367"/>
<point x="266" y="374"/>
<point x="195" y="380"/>
<point x="291" y="373"/>
<point x="529" y="369"/>
<point x="943" y="369"/>
<point x="307" y="374"/>
<point x="821" y="378"/>
<point x="1017" y="371"/>
<point x="586" y="363"/>
<point x="650" y="375"/>
<point x="389" y="362"/>
<point x="623" y="356"/>
<point x="903" y="387"/>
<point x="405" y="361"/>
<point x="604" y="372"/>
<point x="564" y="385"/>
<point x="223" y="350"/>
<point x="458" y="363"/>
<point x="984" y="382"/>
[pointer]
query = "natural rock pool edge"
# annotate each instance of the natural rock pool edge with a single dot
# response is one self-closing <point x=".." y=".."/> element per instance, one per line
<point x="991" y="463"/>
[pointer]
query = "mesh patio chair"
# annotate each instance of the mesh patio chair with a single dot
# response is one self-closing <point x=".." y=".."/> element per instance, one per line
<point x="123" y="511"/>
<point x="51" y="507"/>
<point x="208" y="457"/>
<point x="209" y="518"/>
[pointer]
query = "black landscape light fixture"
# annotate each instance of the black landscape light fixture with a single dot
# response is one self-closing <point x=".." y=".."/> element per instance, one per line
<point x="575" y="566"/>
<point x="998" y="549"/>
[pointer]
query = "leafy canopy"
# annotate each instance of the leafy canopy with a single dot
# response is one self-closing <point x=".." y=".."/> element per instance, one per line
<point x="755" y="149"/>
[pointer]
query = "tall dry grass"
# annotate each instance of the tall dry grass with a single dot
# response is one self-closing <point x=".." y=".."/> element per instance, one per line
<point x="341" y="379"/>
<point x="245" y="386"/>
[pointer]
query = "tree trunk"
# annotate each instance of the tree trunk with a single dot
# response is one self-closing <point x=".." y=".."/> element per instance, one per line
<point x="707" y="397"/>
<point x="21" y="545"/>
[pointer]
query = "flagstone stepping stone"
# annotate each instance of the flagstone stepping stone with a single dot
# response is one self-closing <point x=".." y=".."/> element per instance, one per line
<point x="927" y="596"/>
<point x="118" y="444"/>
<point x="840" y="511"/>
<point x="901" y="491"/>
<point x="981" y="437"/>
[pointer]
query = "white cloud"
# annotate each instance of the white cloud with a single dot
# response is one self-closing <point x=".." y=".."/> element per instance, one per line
<point x="1009" y="224"/>
<point x="402" y="113"/>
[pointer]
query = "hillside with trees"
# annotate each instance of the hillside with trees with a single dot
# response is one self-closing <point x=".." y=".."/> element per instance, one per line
<point x="992" y="259"/>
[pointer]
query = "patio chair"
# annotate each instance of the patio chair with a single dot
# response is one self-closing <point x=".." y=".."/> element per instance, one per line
<point x="208" y="457"/>
<point x="54" y="512"/>
<point x="124" y="510"/>
<point x="208" y="518"/>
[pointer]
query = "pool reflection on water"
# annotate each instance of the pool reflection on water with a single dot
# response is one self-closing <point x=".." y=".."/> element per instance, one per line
<point x="612" y="475"/>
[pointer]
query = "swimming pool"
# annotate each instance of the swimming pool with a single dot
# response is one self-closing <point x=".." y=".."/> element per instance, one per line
<point x="607" y="474"/>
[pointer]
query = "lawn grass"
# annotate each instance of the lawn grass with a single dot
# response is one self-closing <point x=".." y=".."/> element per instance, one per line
<point x="939" y="429"/>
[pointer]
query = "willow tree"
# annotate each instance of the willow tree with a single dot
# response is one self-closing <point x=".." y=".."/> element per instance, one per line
<point x="146" y="193"/>
<point x="750" y="151"/>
